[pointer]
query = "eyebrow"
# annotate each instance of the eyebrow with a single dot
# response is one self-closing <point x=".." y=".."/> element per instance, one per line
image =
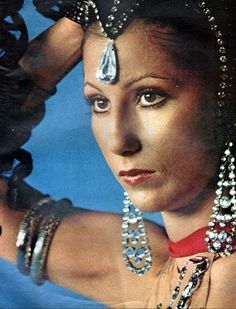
<point x="149" y="75"/>
<point x="92" y="85"/>
<point x="137" y="79"/>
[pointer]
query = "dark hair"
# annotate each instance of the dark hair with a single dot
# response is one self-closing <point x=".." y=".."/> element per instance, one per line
<point x="16" y="122"/>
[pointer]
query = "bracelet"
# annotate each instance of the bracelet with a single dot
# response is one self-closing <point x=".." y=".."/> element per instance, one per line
<point x="45" y="235"/>
<point x="26" y="235"/>
<point x="46" y="231"/>
<point x="35" y="235"/>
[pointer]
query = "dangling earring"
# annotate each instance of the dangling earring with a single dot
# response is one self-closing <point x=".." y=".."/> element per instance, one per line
<point x="136" y="251"/>
<point x="222" y="226"/>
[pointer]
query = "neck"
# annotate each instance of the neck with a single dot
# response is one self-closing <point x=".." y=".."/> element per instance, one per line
<point x="182" y="222"/>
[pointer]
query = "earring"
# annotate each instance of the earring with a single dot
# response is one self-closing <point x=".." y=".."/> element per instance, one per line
<point x="136" y="251"/>
<point x="222" y="226"/>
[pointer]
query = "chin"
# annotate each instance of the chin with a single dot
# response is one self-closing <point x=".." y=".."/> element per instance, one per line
<point x="147" y="201"/>
<point x="166" y="197"/>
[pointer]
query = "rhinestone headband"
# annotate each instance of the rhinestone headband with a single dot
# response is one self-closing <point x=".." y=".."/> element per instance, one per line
<point x="114" y="23"/>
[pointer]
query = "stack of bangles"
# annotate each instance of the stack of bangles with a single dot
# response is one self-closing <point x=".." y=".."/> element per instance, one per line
<point x="35" y="235"/>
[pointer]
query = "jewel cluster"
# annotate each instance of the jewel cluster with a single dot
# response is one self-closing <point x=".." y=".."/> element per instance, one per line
<point x="220" y="240"/>
<point x="224" y="77"/>
<point x="115" y="20"/>
<point x="79" y="12"/>
<point x="136" y="251"/>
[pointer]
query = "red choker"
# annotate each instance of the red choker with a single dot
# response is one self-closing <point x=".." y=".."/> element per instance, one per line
<point x="190" y="245"/>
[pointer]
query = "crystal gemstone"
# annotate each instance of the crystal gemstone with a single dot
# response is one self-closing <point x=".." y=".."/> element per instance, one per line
<point x="225" y="202"/>
<point x="107" y="69"/>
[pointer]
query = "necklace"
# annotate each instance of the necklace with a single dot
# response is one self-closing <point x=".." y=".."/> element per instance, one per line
<point x="200" y="266"/>
<point x="196" y="242"/>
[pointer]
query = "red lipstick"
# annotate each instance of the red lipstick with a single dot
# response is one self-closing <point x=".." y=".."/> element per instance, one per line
<point x="135" y="176"/>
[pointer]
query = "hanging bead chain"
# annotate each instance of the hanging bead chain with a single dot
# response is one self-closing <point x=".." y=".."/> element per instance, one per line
<point x="116" y="21"/>
<point x="224" y="77"/>
<point x="224" y="210"/>
<point x="222" y="225"/>
<point x="136" y="251"/>
<point x="202" y="264"/>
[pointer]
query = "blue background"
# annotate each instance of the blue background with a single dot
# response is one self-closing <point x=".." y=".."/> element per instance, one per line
<point x="67" y="163"/>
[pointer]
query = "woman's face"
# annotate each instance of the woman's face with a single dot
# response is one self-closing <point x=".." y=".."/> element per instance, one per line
<point x="154" y="125"/>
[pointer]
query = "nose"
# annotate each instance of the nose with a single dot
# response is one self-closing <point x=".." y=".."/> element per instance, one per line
<point x="124" y="139"/>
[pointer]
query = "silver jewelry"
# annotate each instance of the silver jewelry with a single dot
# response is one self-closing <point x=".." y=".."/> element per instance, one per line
<point x="107" y="72"/>
<point x="222" y="225"/>
<point x="222" y="92"/>
<point x="35" y="235"/>
<point x="25" y="237"/>
<point x="136" y="251"/>
<point x="79" y="12"/>
<point x="202" y="264"/>
<point x="46" y="232"/>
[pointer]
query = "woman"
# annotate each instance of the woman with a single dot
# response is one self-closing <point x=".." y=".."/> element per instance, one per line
<point x="163" y="115"/>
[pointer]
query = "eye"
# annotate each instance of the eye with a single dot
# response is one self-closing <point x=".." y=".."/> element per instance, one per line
<point x="99" y="104"/>
<point x="151" y="97"/>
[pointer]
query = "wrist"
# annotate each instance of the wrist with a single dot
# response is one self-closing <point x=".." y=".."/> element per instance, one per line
<point x="10" y="221"/>
<point x="36" y="94"/>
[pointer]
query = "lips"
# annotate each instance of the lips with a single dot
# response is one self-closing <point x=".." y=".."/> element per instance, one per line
<point x="136" y="176"/>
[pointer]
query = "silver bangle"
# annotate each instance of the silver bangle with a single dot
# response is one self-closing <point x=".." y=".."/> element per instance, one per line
<point x="26" y="235"/>
<point x="39" y="256"/>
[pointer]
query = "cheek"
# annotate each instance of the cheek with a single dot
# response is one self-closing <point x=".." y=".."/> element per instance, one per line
<point x="100" y="133"/>
<point x="191" y="123"/>
<point x="97" y="131"/>
<point x="179" y="141"/>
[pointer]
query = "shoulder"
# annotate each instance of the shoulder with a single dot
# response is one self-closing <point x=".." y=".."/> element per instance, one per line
<point x="223" y="283"/>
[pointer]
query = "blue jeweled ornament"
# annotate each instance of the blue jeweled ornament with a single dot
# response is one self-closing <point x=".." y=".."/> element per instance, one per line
<point x="136" y="251"/>
<point x="107" y="70"/>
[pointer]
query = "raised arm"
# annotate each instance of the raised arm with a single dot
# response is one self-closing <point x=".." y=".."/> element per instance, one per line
<point x="86" y="255"/>
<point x="53" y="53"/>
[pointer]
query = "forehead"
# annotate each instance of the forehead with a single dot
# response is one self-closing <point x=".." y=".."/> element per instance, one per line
<point x="138" y="51"/>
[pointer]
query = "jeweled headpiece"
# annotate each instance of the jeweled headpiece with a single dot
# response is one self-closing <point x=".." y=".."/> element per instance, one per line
<point x="111" y="27"/>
